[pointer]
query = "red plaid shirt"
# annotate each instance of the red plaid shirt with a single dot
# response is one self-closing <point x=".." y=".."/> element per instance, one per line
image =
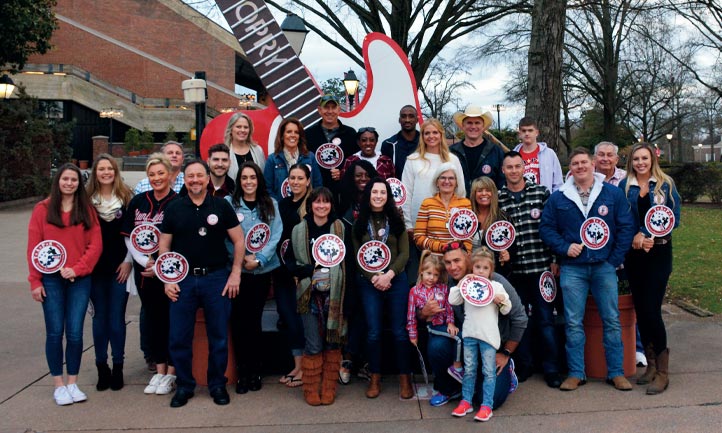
<point x="384" y="165"/>
<point x="418" y="296"/>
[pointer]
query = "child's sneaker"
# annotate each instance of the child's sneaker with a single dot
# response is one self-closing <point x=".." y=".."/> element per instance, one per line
<point x="514" y="382"/>
<point x="484" y="414"/>
<point x="457" y="374"/>
<point x="462" y="409"/>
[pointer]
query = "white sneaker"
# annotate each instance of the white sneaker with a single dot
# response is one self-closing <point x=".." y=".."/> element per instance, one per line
<point x="76" y="394"/>
<point x="62" y="397"/>
<point x="153" y="384"/>
<point x="641" y="360"/>
<point x="166" y="385"/>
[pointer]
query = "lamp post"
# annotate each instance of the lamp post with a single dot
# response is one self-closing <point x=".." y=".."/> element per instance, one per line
<point x="6" y="87"/>
<point x="499" y="108"/>
<point x="295" y="31"/>
<point x="669" y="144"/>
<point x="699" y="148"/>
<point x="195" y="92"/>
<point x="111" y="113"/>
<point x="351" y="83"/>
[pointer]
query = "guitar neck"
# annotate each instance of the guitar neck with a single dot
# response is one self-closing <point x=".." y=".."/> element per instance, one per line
<point x="271" y="55"/>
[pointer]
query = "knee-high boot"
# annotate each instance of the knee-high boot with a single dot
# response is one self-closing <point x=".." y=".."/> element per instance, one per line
<point x="331" y="366"/>
<point x="312" y="366"/>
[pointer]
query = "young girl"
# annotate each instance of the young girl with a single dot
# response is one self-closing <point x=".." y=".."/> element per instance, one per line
<point x="481" y="337"/>
<point x="428" y="288"/>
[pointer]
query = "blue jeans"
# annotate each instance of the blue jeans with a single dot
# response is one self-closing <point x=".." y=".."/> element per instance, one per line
<point x="475" y="349"/>
<point x="109" y="300"/>
<point x="64" y="309"/>
<point x="576" y="282"/>
<point x="200" y="292"/>
<point x="396" y="300"/>
<point x="441" y="352"/>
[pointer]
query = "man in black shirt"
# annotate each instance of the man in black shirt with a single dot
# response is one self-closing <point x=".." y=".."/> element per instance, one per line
<point x="196" y="226"/>
<point x="398" y="147"/>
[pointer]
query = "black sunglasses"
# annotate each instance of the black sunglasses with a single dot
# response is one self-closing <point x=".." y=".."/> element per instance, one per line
<point x="366" y="129"/>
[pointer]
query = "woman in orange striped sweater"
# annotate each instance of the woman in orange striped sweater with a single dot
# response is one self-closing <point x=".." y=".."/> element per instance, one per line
<point x="432" y="223"/>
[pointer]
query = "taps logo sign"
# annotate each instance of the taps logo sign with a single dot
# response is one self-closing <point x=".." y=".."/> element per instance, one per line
<point x="144" y="238"/>
<point x="48" y="256"/>
<point x="374" y="256"/>
<point x="594" y="233"/>
<point x="659" y="220"/>
<point x="258" y="237"/>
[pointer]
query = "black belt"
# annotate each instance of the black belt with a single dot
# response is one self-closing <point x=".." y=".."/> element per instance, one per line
<point x="202" y="272"/>
<point x="662" y="241"/>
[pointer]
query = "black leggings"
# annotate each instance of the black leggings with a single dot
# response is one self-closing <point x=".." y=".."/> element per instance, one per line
<point x="246" y="315"/>
<point x="157" y="316"/>
<point x="648" y="275"/>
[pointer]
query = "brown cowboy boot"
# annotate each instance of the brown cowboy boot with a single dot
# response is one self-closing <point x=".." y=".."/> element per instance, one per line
<point x="651" y="366"/>
<point x="331" y="366"/>
<point x="661" y="378"/>
<point x="312" y="365"/>
<point x="406" y="389"/>
<point x="374" y="388"/>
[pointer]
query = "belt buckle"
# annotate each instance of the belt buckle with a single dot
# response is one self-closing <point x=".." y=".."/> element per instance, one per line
<point x="200" y="272"/>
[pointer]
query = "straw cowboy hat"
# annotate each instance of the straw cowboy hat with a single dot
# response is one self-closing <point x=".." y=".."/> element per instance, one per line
<point x="474" y="111"/>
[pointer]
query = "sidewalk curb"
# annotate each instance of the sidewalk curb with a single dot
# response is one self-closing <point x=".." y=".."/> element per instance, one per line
<point x="20" y="202"/>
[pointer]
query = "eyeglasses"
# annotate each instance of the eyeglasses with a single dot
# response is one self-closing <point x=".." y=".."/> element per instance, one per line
<point x="447" y="178"/>
<point x="454" y="245"/>
<point x="366" y="129"/>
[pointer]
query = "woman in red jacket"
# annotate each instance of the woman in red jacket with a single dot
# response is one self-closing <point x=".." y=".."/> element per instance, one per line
<point x="64" y="244"/>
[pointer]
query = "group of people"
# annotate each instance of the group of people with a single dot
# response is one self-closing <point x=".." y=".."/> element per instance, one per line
<point x="245" y="223"/>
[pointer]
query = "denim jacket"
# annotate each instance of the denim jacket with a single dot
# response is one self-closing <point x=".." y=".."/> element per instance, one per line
<point x="267" y="256"/>
<point x="671" y="199"/>
<point x="276" y="171"/>
<point x="564" y="214"/>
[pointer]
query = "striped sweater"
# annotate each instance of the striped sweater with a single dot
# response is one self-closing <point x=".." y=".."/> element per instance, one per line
<point x="432" y="229"/>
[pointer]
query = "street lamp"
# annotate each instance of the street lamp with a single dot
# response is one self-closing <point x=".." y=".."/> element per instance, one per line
<point x="6" y="87"/>
<point x="196" y="92"/>
<point x="111" y="113"/>
<point x="351" y="83"/>
<point x="669" y="143"/>
<point x="295" y="31"/>
<point x="499" y="108"/>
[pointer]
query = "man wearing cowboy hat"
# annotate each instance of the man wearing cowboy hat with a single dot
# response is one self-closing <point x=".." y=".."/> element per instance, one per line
<point x="478" y="156"/>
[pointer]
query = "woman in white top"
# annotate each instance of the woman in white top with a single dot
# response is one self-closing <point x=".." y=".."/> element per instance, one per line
<point x="238" y="138"/>
<point x="420" y="167"/>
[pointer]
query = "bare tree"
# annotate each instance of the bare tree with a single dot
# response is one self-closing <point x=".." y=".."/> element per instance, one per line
<point x="440" y="90"/>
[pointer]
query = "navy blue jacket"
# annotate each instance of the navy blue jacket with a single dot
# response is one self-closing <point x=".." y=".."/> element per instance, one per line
<point x="490" y="166"/>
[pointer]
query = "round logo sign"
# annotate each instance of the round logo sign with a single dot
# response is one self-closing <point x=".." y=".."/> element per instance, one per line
<point x="257" y="237"/>
<point x="594" y="233"/>
<point x="500" y="235"/>
<point x="328" y="250"/>
<point x="463" y="224"/>
<point x="476" y="290"/>
<point x="398" y="190"/>
<point x="171" y="267"/>
<point x="285" y="189"/>
<point x="486" y="169"/>
<point x="547" y="286"/>
<point x="659" y="220"/>
<point x="329" y="155"/>
<point x="144" y="238"/>
<point x="284" y="248"/>
<point x="374" y="256"/>
<point x="48" y="256"/>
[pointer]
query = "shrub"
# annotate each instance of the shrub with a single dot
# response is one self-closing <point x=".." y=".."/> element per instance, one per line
<point x="690" y="181"/>
<point x="713" y="182"/>
<point x="132" y="140"/>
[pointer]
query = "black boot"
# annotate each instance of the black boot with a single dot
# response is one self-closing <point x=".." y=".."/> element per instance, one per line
<point x="103" y="376"/>
<point x="116" y="381"/>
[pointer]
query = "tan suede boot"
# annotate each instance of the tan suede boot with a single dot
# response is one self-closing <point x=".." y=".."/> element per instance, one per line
<point x="331" y="366"/>
<point x="406" y="389"/>
<point x="661" y="378"/>
<point x="651" y="366"/>
<point x="312" y="366"/>
<point x="374" y="388"/>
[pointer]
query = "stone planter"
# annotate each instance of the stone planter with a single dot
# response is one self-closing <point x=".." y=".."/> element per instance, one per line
<point x="595" y="364"/>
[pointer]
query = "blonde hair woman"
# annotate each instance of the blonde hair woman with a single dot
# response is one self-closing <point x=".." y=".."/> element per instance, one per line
<point x="239" y="139"/>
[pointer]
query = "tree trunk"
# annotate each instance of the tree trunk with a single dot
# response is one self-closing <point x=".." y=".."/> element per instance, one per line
<point x="545" y="68"/>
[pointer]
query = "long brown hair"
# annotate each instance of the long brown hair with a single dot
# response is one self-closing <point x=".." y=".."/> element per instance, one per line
<point x="120" y="189"/>
<point x="80" y="214"/>
<point x="264" y="202"/>
<point x="307" y="172"/>
<point x="302" y="145"/>
<point x="495" y="214"/>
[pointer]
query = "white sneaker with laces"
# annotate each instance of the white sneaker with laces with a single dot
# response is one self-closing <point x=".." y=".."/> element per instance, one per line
<point x="166" y="385"/>
<point x="76" y="394"/>
<point x="153" y="384"/>
<point x="62" y="397"/>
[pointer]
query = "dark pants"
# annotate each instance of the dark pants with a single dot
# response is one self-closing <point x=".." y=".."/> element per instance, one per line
<point x="648" y="276"/>
<point x="109" y="301"/>
<point x="284" y="288"/>
<point x="157" y="318"/>
<point x="201" y="292"/>
<point x="246" y="315"/>
<point x="541" y="323"/>
<point x="395" y="300"/>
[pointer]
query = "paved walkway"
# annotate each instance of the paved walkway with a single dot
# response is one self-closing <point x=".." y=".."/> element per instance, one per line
<point x="693" y="402"/>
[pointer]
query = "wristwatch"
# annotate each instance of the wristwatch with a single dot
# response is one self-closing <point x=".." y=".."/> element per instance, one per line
<point x="506" y="352"/>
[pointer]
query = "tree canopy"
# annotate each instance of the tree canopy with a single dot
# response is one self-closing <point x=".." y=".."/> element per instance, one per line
<point x="27" y="26"/>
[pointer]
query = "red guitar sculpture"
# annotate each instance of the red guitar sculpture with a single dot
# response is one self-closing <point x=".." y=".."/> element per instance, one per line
<point x="294" y="92"/>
